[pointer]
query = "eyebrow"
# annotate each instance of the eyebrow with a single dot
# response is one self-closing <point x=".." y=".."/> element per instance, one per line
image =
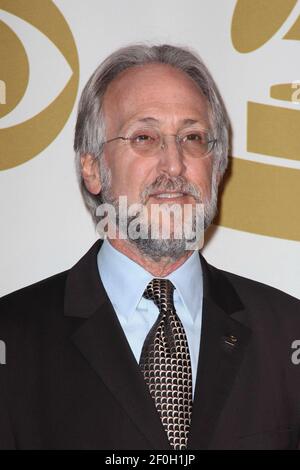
<point x="185" y="122"/>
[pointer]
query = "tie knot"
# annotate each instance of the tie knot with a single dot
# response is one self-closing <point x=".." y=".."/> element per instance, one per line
<point x="161" y="292"/>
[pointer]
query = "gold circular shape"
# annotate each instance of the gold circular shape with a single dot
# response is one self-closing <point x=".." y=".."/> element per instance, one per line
<point x="14" y="68"/>
<point x="254" y="22"/>
<point x="24" y="141"/>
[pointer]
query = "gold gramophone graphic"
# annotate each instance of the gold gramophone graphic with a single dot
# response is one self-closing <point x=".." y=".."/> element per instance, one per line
<point x="265" y="198"/>
<point x="21" y="142"/>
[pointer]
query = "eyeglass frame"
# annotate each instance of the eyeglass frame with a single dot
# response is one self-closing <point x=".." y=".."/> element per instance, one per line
<point x="178" y="140"/>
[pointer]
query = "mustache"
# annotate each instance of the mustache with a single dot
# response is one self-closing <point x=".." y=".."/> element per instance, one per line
<point x="178" y="184"/>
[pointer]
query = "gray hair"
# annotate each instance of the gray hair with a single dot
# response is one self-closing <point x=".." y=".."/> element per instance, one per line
<point x="90" y="126"/>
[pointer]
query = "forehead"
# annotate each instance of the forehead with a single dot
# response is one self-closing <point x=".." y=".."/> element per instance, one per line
<point x="158" y="90"/>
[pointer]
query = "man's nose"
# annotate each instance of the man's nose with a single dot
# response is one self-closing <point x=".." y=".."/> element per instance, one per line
<point x="171" y="160"/>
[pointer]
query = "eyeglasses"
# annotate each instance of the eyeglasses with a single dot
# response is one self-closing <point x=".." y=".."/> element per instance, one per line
<point x="147" y="143"/>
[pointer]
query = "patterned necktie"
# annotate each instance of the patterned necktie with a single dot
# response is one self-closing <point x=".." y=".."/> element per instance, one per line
<point x="166" y="365"/>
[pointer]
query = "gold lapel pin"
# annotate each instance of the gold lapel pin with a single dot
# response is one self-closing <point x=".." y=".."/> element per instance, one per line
<point x="231" y="340"/>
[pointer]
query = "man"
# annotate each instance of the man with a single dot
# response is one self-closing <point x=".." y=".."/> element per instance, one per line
<point x="142" y="344"/>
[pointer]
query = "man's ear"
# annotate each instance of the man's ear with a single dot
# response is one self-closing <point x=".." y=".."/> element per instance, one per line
<point x="91" y="173"/>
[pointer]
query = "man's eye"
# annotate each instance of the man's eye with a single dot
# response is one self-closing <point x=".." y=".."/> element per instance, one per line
<point x="193" y="138"/>
<point x="143" y="138"/>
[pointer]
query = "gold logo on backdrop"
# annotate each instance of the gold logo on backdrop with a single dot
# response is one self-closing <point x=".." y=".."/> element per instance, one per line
<point x="24" y="141"/>
<point x="258" y="197"/>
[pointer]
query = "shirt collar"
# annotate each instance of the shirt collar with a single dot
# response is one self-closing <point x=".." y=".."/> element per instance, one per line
<point x="188" y="281"/>
<point x="125" y="280"/>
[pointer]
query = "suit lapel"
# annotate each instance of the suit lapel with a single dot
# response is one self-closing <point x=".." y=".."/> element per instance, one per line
<point x="223" y="342"/>
<point x="102" y="342"/>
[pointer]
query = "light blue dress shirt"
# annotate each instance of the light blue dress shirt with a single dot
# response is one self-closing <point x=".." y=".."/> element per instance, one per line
<point x="125" y="281"/>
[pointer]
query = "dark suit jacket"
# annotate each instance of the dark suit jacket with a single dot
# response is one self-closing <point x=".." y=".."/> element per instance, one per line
<point x="71" y="381"/>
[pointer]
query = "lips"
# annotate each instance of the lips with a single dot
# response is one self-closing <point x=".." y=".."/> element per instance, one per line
<point x="168" y="194"/>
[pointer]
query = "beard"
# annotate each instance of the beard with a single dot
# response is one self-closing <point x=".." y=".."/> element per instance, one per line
<point x="159" y="247"/>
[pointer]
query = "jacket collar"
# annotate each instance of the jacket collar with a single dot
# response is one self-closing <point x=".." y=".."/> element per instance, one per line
<point x="85" y="293"/>
<point x="102" y="342"/>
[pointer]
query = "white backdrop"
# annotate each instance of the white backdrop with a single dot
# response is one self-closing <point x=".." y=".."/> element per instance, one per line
<point x="44" y="225"/>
